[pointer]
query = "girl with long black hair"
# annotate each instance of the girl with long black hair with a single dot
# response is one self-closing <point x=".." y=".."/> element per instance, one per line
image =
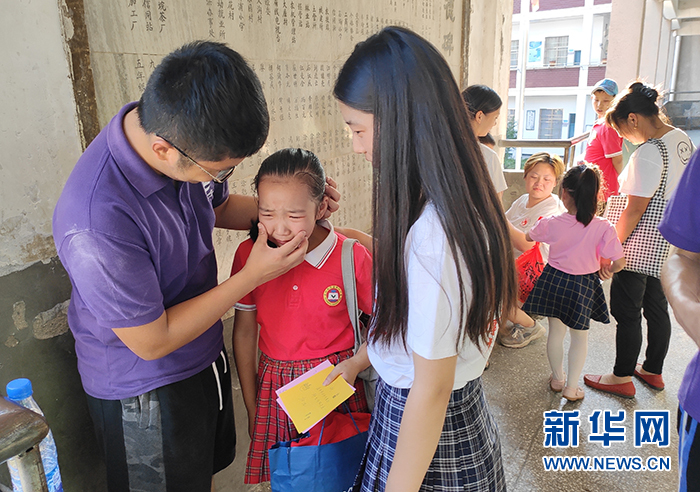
<point x="443" y="270"/>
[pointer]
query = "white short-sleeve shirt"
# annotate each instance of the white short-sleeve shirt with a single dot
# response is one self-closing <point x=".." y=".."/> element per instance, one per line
<point x="524" y="218"/>
<point x="495" y="168"/>
<point x="433" y="310"/>
<point x="642" y="175"/>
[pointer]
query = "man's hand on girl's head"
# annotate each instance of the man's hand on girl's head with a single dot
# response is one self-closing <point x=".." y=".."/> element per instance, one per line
<point x="333" y="197"/>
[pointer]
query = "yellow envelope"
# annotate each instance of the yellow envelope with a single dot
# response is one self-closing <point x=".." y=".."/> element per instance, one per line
<point x="307" y="401"/>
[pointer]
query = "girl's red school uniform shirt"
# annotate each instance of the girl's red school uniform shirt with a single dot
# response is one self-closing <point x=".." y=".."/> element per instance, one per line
<point x="303" y="314"/>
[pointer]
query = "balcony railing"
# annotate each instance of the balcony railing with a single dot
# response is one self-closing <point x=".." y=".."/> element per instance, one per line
<point x="568" y="146"/>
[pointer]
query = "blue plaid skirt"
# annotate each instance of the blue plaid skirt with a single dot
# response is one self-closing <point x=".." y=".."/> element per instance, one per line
<point x="468" y="456"/>
<point x="574" y="299"/>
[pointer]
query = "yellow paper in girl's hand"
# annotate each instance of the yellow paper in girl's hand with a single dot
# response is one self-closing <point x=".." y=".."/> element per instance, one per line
<point x="306" y="401"/>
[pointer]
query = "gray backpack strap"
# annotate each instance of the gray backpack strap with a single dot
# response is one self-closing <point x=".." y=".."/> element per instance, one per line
<point x="350" y="288"/>
<point x="369" y="376"/>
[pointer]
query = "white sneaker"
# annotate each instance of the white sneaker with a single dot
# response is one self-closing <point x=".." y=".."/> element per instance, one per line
<point x="521" y="336"/>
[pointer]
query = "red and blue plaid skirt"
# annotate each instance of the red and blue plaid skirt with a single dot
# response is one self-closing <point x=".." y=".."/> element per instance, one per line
<point x="271" y="423"/>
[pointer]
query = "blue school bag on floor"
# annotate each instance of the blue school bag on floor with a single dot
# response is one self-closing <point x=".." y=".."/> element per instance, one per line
<point x="322" y="468"/>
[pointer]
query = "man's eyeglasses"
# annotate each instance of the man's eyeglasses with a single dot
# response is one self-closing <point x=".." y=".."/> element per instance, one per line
<point x="220" y="177"/>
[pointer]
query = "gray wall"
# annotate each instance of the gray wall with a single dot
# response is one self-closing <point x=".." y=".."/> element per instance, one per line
<point x="688" y="77"/>
<point x="40" y="142"/>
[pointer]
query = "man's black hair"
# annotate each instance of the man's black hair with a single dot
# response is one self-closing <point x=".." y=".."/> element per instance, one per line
<point x="204" y="98"/>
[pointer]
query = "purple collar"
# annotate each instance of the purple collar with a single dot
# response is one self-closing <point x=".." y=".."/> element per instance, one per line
<point x="141" y="176"/>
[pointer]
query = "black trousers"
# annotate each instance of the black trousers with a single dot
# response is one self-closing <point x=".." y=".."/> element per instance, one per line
<point x="631" y="295"/>
<point x="171" y="439"/>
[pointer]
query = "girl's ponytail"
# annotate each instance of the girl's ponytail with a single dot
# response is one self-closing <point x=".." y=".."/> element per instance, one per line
<point x="583" y="184"/>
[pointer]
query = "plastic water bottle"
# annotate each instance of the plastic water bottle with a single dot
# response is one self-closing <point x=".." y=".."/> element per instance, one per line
<point x="20" y="392"/>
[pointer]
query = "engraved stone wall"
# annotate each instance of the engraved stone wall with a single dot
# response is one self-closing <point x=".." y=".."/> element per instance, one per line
<point x="296" y="48"/>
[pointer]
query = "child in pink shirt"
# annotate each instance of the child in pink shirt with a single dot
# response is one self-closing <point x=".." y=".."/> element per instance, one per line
<point x="569" y="290"/>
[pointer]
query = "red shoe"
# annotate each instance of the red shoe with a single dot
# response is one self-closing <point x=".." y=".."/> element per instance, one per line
<point x="625" y="390"/>
<point x="655" y="381"/>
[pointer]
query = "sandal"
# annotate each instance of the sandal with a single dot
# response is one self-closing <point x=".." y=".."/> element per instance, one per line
<point x="557" y="384"/>
<point x="573" y="394"/>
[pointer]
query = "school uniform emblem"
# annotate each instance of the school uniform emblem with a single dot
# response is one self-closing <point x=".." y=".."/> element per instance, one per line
<point x="332" y="295"/>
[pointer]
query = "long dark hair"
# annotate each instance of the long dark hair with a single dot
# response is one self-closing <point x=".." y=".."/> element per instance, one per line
<point x="583" y="184"/>
<point x="481" y="98"/>
<point x="425" y="150"/>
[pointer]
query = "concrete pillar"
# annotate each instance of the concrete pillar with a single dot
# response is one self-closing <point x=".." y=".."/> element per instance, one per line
<point x="639" y="43"/>
<point x="524" y="31"/>
<point x="651" y="42"/>
<point x="582" y="96"/>
<point x="486" y="49"/>
<point x="688" y="76"/>
<point x="41" y="141"/>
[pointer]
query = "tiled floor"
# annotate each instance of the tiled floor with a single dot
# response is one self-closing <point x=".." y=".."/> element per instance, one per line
<point x="518" y="394"/>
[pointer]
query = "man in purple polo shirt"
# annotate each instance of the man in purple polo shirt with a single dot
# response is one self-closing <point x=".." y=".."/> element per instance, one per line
<point x="133" y="228"/>
<point x="681" y="281"/>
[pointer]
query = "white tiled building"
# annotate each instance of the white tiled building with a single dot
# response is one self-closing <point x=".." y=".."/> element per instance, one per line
<point x="561" y="48"/>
